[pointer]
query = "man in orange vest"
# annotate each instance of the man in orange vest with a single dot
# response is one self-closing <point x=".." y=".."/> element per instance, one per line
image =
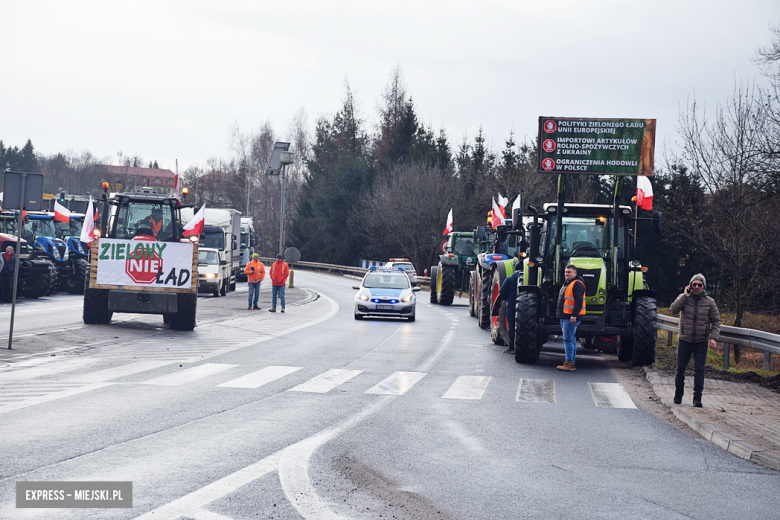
<point x="279" y="273"/>
<point x="255" y="272"/>
<point x="571" y="305"/>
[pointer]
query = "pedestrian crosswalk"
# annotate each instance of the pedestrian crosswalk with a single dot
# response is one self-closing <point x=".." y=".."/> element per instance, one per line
<point x="26" y="387"/>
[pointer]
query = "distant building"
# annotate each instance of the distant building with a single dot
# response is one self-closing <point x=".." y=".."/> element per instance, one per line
<point x="126" y="178"/>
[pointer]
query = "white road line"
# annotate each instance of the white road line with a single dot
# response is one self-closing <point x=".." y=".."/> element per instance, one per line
<point x="397" y="384"/>
<point x="45" y="370"/>
<point x="190" y="374"/>
<point x="536" y="391"/>
<point x="468" y="387"/>
<point x="120" y="371"/>
<point x="261" y="377"/>
<point x="326" y="382"/>
<point x="610" y="395"/>
<point x="51" y="397"/>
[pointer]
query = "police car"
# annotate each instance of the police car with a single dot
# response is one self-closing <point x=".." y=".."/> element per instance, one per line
<point x="406" y="265"/>
<point x="385" y="292"/>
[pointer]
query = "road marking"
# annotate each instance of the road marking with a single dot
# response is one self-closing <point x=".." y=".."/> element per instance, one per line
<point x="610" y="395"/>
<point x="326" y="382"/>
<point x="536" y="391"/>
<point x="397" y="384"/>
<point x="190" y="374"/>
<point x="120" y="371"/>
<point x="51" y="397"/>
<point x="47" y="369"/>
<point x="261" y="377"/>
<point x="468" y="387"/>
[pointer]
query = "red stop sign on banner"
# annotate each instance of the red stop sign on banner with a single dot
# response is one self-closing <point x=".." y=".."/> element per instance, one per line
<point x="548" y="164"/>
<point x="143" y="264"/>
<point x="548" y="145"/>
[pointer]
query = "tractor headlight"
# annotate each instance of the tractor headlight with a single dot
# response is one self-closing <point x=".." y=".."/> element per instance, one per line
<point x="407" y="299"/>
<point x="55" y="253"/>
<point x="66" y="255"/>
<point x="601" y="291"/>
<point x="593" y="300"/>
<point x="601" y="299"/>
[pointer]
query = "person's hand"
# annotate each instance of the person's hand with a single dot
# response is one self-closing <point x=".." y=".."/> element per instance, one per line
<point x="688" y="290"/>
<point x="573" y="320"/>
<point x="713" y="343"/>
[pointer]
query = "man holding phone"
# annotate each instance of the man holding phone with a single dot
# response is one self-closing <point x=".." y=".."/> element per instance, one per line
<point x="698" y="330"/>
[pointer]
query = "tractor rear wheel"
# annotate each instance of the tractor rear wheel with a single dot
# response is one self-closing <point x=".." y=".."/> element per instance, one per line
<point x="80" y="280"/>
<point x="39" y="284"/>
<point x="434" y="283"/>
<point x="529" y="335"/>
<point x="483" y="306"/>
<point x="96" y="307"/>
<point x="448" y="278"/>
<point x="472" y="294"/>
<point x="645" y="331"/>
<point x="186" y="308"/>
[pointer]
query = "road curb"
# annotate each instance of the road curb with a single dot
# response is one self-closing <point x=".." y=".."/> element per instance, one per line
<point x="725" y="440"/>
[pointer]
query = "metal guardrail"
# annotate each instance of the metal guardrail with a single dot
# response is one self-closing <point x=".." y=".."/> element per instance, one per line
<point x="339" y="269"/>
<point x="757" y="339"/>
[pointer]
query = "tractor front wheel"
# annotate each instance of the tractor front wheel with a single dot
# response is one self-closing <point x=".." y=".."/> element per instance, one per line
<point x="434" y="283"/>
<point x="96" y="307"/>
<point x="186" y="308"/>
<point x="472" y="294"/>
<point x="483" y="306"/>
<point x="529" y="335"/>
<point x="446" y="287"/>
<point x="645" y="331"/>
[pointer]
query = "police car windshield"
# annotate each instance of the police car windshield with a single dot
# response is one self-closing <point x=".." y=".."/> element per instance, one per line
<point x="386" y="281"/>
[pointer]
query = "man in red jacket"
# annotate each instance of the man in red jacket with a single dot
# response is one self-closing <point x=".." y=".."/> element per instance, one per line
<point x="279" y="273"/>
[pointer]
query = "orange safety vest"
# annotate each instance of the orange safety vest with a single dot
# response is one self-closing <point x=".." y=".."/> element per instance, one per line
<point x="156" y="226"/>
<point x="255" y="271"/>
<point x="568" y="299"/>
<point x="279" y="272"/>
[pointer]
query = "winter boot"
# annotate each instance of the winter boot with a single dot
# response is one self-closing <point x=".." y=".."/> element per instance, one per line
<point x="567" y="366"/>
<point x="282" y="309"/>
<point x="272" y="309"/>
<point x="249" y="308"/>
<point x="256" y="308"/>
<point x="697" y="400"/>
<point x="678" y="395"/>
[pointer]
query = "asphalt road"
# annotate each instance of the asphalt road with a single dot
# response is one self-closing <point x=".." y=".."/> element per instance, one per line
<point x="311" y="414"/>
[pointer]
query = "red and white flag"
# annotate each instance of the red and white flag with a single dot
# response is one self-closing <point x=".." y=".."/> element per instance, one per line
<point x="61" y="213"/>
<point x="502" y="202"/>
<point x="498" y="216"/>
<point x="176" y="181"/>
<point x="516" y="203"/>
<point x="448" y="227"/>
<point x="195" y="226"/>
<point x="644" y="192"/>
<point x="88" y="226"/>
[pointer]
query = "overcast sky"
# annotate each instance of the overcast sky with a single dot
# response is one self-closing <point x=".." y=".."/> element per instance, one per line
<point x="167" y="80"/>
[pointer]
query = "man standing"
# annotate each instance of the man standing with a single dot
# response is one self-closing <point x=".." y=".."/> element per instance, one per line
<point x="571" y="304"/>
<point x="699" y="329"/>
<point x="508" y="292"/>
<point x="255" y="273"/>
<point x="7" y="274"/>
<point x="279" y="273"/>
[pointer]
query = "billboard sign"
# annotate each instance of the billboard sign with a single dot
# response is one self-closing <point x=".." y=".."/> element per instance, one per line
<point x="596" y="146"/>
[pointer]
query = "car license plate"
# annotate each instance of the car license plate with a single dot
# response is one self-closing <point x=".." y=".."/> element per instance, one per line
<point x="385" y="307"/>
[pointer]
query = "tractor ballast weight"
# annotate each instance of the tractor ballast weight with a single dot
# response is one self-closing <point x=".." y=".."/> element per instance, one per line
<point x="452" y="272"/>
<point x="595" y="239"/>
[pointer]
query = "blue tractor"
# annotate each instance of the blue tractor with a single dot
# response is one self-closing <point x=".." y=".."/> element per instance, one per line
<point x="40" y="231"/>
<point x="70" y="233"/>
<point x="36" y="271"/>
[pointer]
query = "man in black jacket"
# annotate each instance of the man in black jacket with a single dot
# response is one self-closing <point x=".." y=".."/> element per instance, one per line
<point x="7" y="273"/>
<point x="571" y="305"/>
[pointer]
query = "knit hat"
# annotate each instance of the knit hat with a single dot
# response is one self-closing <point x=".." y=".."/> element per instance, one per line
<point x="255" y="255"/>
<point x="279" y="256"/>
<point x="700" y="277"/>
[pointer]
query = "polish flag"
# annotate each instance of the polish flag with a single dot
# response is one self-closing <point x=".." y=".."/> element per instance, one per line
<point x="195" y="226"/>
<point x="61" y="213"/>
<point x="498" y="216"/>
<point x="88" y="226"/>
<point x="448" y="228"/>
<point x="502" y="202"/>
<point x="644" y="192"/>
<point x="516" y="204"/>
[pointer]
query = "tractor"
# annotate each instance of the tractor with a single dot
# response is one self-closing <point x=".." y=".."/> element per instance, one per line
<point x="70" y="233"/>
<point x="40" y="230"/>
<point x="457" y="261"/>
<point x="36" y="271"/>
<point x="597" y="239"/>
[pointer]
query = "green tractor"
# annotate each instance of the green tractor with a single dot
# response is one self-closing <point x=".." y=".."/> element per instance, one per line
<point x="456" y="263"/>
<point x="597" y="239"/>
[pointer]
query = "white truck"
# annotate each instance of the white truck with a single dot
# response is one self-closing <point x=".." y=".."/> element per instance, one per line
<point x="222" y="231"/>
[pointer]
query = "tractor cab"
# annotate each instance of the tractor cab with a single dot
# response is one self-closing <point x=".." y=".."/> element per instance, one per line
<point x="40" y="231"/>
<point x="142" y="216"/>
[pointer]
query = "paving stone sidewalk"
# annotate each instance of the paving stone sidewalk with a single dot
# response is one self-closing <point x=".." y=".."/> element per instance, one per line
<point x="741" y="418"/>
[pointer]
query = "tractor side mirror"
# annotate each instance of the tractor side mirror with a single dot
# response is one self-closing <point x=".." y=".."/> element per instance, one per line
<point x="480" y="232"/>
<point x="517" y="219"/>
<point x="658" y="221"/>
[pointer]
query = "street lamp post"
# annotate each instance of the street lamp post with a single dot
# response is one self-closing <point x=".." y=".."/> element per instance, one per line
<point x="280" y="158"/>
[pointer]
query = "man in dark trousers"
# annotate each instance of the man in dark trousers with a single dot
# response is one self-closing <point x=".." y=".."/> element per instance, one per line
<point x="7" y="274"/>
<point x="698" y="330"/>
<point x="571" y="305"/>
<point x="279" y="273"/>
<point x="508" y="292"/>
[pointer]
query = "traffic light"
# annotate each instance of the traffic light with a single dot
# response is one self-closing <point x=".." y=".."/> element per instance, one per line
<point x="62" y="197"/>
